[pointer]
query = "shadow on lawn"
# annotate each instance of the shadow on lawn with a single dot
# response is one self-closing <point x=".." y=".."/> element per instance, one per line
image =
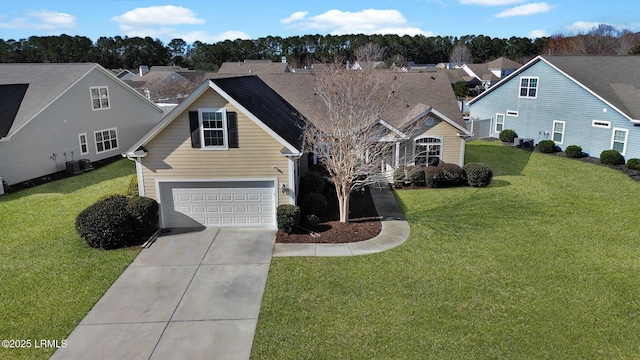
<point x="503" y="159"/>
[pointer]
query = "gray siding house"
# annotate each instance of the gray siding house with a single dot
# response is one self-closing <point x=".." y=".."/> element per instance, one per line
<point x="51" y="114"/>
<point x="590" y="101"/>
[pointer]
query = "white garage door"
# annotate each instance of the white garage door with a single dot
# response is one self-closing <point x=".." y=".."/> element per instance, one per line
<point x="218" y="204"/>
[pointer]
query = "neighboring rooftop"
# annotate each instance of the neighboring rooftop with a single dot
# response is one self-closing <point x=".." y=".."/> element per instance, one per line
<point x="256" y="67"/>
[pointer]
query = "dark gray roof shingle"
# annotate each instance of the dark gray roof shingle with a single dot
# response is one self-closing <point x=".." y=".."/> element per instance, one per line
<point x="267" y="105"/>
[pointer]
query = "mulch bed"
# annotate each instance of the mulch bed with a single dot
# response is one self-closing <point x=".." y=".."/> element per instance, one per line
<point x="632" y="173"/>
<point x="364" y="224"/>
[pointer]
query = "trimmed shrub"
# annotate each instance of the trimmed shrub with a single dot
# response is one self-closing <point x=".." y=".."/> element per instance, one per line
<point x="453" y="174"/>
<point x="399" y="177"/>
<point x="416" y="175"/>
<point x="144" y="211"/>
<point x="314" y="204"/>
<point x="434" y="176"/>
<point x="478" y="175"/>
<point x="507" y="135"/>
<point x="633" y="163"/>
<point x="132" y="188"/>
<point x="107" y="224"/>
<point x="313" y="182"/>
<point x="288" y="217"/>
<point x="611" y="157"/>
<point x="573" y="151"/>
<point x="547" y="146"/>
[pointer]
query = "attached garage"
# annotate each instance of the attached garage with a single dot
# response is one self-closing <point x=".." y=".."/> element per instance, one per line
<point x="218" y="203"/>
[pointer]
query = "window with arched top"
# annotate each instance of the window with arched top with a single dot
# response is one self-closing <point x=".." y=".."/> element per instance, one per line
<point x="427" y="150"/>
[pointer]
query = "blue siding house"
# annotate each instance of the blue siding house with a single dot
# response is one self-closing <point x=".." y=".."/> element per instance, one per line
<point x="590" y="101"/>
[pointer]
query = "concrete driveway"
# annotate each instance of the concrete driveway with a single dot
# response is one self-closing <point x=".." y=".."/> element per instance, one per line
<point x="192" y="295"/>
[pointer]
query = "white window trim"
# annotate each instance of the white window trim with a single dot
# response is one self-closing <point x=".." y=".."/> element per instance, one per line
<point x="512" y="113"/>
<point x="553" y="131"/>
<point x="626" y="139"/>
<point x="225" y="138"/>
<point x="601" y="124"/>
<point x="441" y="143"/>
<point x="85" y="143"/>
<point x="520" y="87"/>
<point x="96" y="142"/>
<point x="108" y="98"/>
<point x="495" y="126"/>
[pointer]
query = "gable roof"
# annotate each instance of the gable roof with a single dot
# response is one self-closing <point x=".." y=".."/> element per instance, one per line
<point x="47" y="82"/>
<point x="503" y="63"/>
<point x="11" y="96"/>
<point x="252" y="97"/>
<point x="614" y="79"/>
<point x="432" y="89"/>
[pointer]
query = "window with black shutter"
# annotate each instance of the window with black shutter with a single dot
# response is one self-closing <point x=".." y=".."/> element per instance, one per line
<point x="194" y="125"/>
<point x="232" y="129"/>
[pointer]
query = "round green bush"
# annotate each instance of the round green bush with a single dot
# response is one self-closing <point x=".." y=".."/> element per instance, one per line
<point x="416" y="175"/>
<point x="313" y="182"/>
<point x="288" y="217"/>
<point x="507" y="135"/>
<point x="547" y="146"/>
<point x="573" y="151"/>
<point x="453" y="174"/>
<point x="611" y="157"/>
<point x="144" y="211"/>
<point x="478" y="175"/>
<point x="314" y="204"/>
<point x="399" y="177"/>
<point x="434" y="176"/>
<point x="107" y="224"/>
<point x="633" y="163"/>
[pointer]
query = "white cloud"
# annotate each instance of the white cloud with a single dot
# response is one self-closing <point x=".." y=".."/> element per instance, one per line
<point x="526" y="10"/>
<point x="158" y="15"/>
<point x="537" y="34"/>
<point x="167" y="22"/>
<point x="368" y="21"/>
<point x="581" y="27"/>
<point x="296" y="16"/>
<point x="45" y="20"/>
<point x="490" y="2"/>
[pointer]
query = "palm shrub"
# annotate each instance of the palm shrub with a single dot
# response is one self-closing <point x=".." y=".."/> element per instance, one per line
<point x="611" y="157"/>
<point x="573" y="151"/>
<point x="415" y="174"/>
<point x="399" y="177"/>
<point x="547" y="146"/>
<point x="434" y="176"/>
<point x="288" y="217"/>
<point x="633" y="163"/>
<point x="453" y="174"/>
<point x="507" y="135"/>
<point x="478" y="174"/>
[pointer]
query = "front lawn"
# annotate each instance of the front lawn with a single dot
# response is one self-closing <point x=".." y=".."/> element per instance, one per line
<point x="49" y="277"/>
<point x="544" y="263"/>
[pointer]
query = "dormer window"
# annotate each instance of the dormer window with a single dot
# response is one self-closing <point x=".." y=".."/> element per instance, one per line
<point x="99" y="97"/>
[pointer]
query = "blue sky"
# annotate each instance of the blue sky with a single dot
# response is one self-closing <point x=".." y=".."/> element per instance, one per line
<point x="211" y="21"/>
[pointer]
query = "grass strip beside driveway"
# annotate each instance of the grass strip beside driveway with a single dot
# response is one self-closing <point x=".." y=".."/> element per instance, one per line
<point x="544" y="263"/>
<point x="49" y="277"/>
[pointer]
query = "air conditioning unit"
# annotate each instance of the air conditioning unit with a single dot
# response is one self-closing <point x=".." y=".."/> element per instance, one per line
<point x="517" y="141"/>
<point x="4" y="187"/>
<point x="73" y="167"/>
<point x="527" y="143"/>
<point x="85" y="165"/>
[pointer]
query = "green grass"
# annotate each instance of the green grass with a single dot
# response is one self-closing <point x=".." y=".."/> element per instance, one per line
<point x="49" y="277"/>
<point x="544" y="263"/>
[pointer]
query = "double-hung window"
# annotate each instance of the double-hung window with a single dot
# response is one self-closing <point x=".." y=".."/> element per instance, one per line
<point x="106" y="140"/>
<point x="558" y="132"/>
<point x="99" y="97"/>
<point x="528" y="87"/>
<point x="499" y="123"/>
<point x="84" y="147"/>
<point x="619" y="140"/>
<point x="214" y="128"/>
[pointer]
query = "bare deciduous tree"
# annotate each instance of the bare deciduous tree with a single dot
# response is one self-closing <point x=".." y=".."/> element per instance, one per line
<point x="370" y="52"/>
<point x="174" y="90"/>
<point x="460" y="55"/>
<point x="343" y="133"/>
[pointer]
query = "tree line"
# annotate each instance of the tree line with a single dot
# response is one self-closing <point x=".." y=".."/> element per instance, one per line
<point x="299" y="51"/>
